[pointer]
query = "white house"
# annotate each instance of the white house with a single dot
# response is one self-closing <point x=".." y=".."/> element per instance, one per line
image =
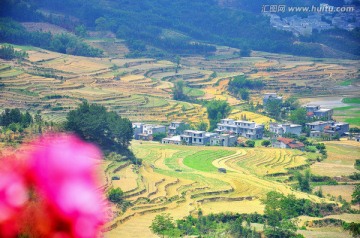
<point x="281" y="129"/>
<point x="246" y="129"/>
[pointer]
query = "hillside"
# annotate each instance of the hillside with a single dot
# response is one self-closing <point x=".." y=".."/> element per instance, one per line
<point x="141" y="89"/>
<point x="145" y="25"/>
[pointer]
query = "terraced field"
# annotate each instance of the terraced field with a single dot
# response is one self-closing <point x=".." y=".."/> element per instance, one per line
<point x="182" y="179"/>
<point x="55" y="83"/>
<point x="140" y="89"/>
<point x="341" y="159"/>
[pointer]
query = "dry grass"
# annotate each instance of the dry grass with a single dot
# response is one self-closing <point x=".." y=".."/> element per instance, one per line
<point x="332" y="170"/>
<point x="345" y="191"/>
<point x="236" y="207"/>
<point x="341" y="159"/>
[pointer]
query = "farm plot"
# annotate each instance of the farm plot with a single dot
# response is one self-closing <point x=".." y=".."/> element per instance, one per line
<point x="182" y="179"/>
<point x="344" y="191"/>
<point x="341" y="159"/>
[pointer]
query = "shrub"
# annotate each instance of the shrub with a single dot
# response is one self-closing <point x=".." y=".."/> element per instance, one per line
<point x="265" y="143"/>
<point x="8" y="52"/>
<point x="250" y="143"/>
<point x="115" y="195"/>
<point x="355" y="176"/>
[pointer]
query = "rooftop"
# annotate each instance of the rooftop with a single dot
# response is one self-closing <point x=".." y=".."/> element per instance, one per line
<point x="290" y="142"/>
<point x="317" y="123"/>
<point x="323" y="110"/>
<point x="154" y="126"/>
<point x="174" y="138"/>
<point x="195" y="132"/>
<point x="340" y="123"/>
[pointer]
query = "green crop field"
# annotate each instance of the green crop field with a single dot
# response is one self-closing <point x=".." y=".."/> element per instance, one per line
<point x="193" y="92"/>
<point x="352" y="100"/>
<point x="202" y="160"/>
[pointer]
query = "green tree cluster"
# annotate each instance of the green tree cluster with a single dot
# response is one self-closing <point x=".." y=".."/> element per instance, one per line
<point x="115" y="195"/>
<point x="178" y="91"/>
<point x="298" y="116"/>
<point x="95" y="124"/>
<point x="7" y="52"/>
<point x="200" y="20"/>
<point x="250" y="143"/>
<point x="265" y="143"/>
<point x="356" y="195"/>
<point x="304" y="181"/>
<point x="13" y="32"/>
<point x="14" y="119"/>
<point x="217" y="110"/>
<point x="164" y="225"/>
<point x="159" y="136"/>
<point x="239" y="86"/>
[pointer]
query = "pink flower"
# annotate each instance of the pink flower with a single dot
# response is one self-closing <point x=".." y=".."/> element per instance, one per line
<point x="63" y="168"/>
<point x="13" y="195"/>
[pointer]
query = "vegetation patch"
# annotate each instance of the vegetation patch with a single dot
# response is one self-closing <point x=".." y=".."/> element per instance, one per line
<point x="202" y="160"/>
<point x="351" y="100"/>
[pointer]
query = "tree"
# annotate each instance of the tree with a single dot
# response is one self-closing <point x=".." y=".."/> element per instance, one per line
<point x="265" y="143"/>
<point x="304" y="181"/>
<point x="202" y="126"/>
<point x="101" y="24"/>
<point x="356" y="195"/>
<point x="354" y="228"/>
<point x="298" y="116"/>
<point x="177" y="60"/>
<point x="245" y="52"/>
<point x="107" y="129"/>
<point x="115" y="195"/>
<point x="244" y="94"/>
<point x="26" y="119"/>
<point x="182" y="128"/>
<point x="159" y="136"/>
<point x="273" y="107"/>
<point x="279" y="209"/>
<point x="162" y="224"/>
<point x="217" y="110"/>
<point x="8" y="52"/>
<point x="291" y="103"/>
<point x="250" y="143"/>
<point x="178" y="91"/>
<point x="80" y="31"/>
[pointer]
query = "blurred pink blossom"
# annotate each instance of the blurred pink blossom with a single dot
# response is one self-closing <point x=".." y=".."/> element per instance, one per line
<point x="61" y="172"/>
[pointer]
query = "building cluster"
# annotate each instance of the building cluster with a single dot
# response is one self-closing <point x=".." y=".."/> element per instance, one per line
<point x="226" y="134"/>
<point x="283" y="129"/>
<point x="228" y="130"/>
<point x="319" y="128"/>
<point x="147" y="131"/>
<point x="322" y="19"/>
<point x="315" y="111"/>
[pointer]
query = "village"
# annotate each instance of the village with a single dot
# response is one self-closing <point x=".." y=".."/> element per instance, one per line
<point x="323" y="19"/>
<point x="231" y="132"/>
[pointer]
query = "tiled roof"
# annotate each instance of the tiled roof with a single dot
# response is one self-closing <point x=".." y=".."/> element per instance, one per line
<point x="285" y="140"/>
<point x="291" y="142"/>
